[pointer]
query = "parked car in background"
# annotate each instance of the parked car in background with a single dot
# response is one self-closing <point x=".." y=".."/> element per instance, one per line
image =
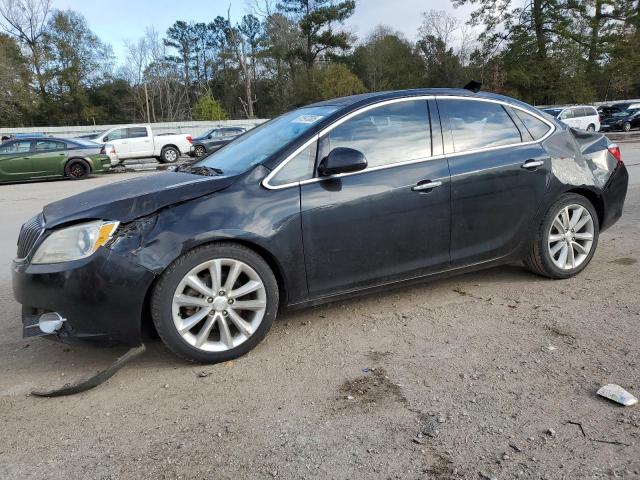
<point x="584" y="117"/>
<point x="213" y="140"/>
<point x="42" y="158"/>
<point x="336" y="199"/>
<point x="625" y="121"/>
<point x="139" y="141"/>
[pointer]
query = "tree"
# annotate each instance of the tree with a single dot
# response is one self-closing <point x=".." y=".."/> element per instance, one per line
<point x="315" y="19"/>
<point x="25" y="20"/>
<point x="180" y="36"/>
<point x="336" y="80"/>
<point x="207" y="109"/>
<point x="386" y="61"/>
<point x="76" y="58"/>
<point x="15" y="100"/>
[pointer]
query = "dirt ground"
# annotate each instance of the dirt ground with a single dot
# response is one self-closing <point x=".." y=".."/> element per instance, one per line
<point x="486" y="375"/>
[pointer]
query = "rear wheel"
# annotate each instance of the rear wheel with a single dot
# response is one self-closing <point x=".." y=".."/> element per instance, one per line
<point x="215" y="303"/>
<point x="566" y="239"/>
<point x="77" y="169"/>
<point x="169" y="155"/>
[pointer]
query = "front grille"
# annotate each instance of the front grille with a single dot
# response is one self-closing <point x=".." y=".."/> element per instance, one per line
<point x="29" y="234"/>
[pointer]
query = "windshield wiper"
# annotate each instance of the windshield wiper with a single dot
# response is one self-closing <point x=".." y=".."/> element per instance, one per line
<point x="200" y="170"/>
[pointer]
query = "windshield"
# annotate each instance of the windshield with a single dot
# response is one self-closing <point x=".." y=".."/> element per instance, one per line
<point x="260" y="143"/>
<point x="554" y="112"/>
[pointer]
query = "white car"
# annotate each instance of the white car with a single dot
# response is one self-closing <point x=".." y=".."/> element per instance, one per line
<point x="138" y="141"/>
<point x="584" y="117"/>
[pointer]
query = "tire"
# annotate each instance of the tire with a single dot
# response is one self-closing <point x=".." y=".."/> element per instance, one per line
<point x="168" y="308"/>
<point x="626" y="127"/>
<point x="540" y="259"/>
<point x="169" y="155"/>
<point x="77" y="169"/>
<point x="199" y="151"/>
<point x="591" y="128"/>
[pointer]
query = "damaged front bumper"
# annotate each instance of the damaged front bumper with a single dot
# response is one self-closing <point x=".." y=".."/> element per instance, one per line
<point x="99" y="298"/>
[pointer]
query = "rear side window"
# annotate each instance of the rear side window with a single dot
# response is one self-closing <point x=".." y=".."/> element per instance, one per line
<point x="537" y="128"/>
<point x="579" y="112"/>
<point x="393" y="133"/>
<point x="137" y="132"/>
<point x="590" y="111"/>
<point x="44" y="145"/>
<point x="477" y="124"/>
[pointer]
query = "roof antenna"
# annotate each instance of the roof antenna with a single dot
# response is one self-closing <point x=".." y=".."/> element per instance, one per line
<point x="474" y="86"/>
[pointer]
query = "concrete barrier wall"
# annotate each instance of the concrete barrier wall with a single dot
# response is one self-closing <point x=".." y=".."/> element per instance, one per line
<point x="194" y="128"/>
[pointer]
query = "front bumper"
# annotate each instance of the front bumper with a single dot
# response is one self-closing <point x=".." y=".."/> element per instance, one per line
<point x="614" y="194"/>
<point x="101" y="297"/>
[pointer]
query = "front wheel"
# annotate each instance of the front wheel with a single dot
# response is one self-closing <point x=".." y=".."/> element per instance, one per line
<point x="626" y="127"/>
<point x="566" y="239"/>
<point x="199" y="151"/>
<point x="169" y="155"/>
<point x="215" y="303"/>
<point x="591" y="128"/>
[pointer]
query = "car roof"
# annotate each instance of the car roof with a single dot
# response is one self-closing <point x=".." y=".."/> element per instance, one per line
<point x="354" y="101"/>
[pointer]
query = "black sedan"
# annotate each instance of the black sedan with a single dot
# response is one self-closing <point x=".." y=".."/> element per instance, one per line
<point x="213" y="140"/>
<point x="329" y="201"/>
<point x="625" y="121"/>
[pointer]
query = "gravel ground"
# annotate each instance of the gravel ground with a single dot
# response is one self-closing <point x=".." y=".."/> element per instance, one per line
<point x="490" y="374"/>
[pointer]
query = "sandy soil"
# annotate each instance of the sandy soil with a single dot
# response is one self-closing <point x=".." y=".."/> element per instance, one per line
<point x="491" y="374"/>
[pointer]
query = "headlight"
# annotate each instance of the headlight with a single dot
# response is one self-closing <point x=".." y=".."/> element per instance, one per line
<point x="74" y="243"/>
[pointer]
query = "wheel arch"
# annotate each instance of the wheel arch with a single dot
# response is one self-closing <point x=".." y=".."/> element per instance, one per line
<point x="594" y="198"/>
<point x="170" y="145"/>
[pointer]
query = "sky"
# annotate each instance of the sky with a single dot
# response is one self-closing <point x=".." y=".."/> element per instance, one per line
<point x="116" y="21"/>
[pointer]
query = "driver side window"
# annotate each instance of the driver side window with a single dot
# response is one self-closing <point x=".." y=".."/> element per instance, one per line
<point x="118" y="134"/>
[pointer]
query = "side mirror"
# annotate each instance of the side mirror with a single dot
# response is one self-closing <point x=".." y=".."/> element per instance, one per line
<point x="209" y="137"/>
<point x="105" y="139"/>
<point x="342" y="160"/>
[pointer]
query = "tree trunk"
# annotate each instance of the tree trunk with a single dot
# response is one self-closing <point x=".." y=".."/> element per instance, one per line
<point x="595" y="36"/>
<point x="538" y="25"/>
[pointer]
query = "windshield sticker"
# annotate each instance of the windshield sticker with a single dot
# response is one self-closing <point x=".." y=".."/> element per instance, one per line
<point x="308" y="119"/>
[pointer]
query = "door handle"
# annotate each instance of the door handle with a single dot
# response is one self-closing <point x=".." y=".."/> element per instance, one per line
<point x="426" y="185"/>
<point x="532" y="164"/>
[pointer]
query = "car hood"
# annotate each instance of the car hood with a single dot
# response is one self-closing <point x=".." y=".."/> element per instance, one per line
<point x="134" y="198"/>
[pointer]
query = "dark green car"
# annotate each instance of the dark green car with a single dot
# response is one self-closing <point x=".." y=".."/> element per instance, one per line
<point x="43" y="158"/>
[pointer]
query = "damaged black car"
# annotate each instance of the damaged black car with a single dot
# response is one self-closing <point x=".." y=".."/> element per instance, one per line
<point x="336" y="199"/>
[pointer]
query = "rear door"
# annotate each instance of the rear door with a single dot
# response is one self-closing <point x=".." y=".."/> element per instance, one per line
<point x="388" y="222"/>
<point x="499" y="176"/>
<point x="49" y="157"/>
<point x="15" y="161"/>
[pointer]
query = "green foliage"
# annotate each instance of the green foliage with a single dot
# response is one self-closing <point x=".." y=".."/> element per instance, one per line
<point x="336" y="80"/>
<point x="207" y="109"/>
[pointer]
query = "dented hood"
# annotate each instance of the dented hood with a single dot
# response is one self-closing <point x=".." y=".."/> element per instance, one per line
<point x="134" y="198"/>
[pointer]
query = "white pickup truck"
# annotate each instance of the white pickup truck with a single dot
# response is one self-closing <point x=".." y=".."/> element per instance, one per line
<point x="138" y="141"/>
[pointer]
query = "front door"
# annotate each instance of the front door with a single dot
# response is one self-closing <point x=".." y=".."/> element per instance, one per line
<point x="499" y="176"/>
<point x="388" y="222"/>
<point x="15" y="161"/>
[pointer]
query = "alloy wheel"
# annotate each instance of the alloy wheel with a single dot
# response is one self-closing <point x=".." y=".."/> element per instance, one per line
<point x="199" y="151"/>
<point x="627" y="127"/>
<point x="219" y="304"/>
<point x="171" y="155"/>
<point x="571" y="237"/>
<point x="77" y="170"/>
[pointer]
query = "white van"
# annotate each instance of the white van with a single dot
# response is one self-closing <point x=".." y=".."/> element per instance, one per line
<point x="584" y="117"/>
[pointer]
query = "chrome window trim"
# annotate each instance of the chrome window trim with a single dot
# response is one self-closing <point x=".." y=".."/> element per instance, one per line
<point x="316" y="137"/>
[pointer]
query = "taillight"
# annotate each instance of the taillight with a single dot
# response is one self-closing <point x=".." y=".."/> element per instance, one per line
<point x="189" y="138"/>
<point x="614" y="150"/>
<point x="102" y="150"/>
<point x="113" y="150"/>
